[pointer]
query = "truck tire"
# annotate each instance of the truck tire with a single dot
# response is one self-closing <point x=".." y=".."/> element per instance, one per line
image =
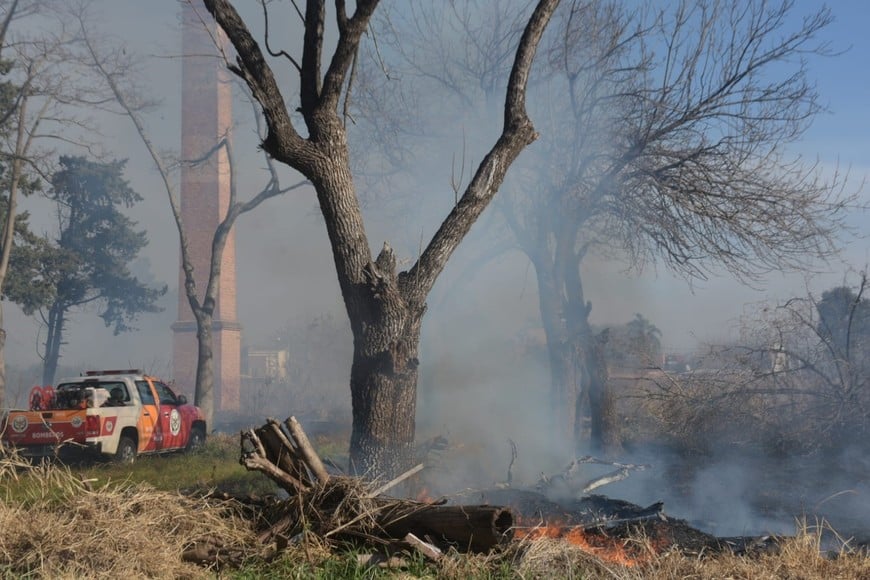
<point x="196" y="440"/>
<point x="126" y="452"/>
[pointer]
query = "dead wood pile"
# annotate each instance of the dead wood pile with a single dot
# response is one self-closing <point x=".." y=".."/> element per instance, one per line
<point x="350" y="510"/>
<point x="345" y="511"/>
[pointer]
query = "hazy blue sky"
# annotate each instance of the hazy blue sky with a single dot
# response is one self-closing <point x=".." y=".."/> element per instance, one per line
<point x="285" y="268"/>
<point x="840" y="135"/>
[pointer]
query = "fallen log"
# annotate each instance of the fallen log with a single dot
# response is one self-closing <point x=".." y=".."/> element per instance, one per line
<point x="468" y="528"/>
<point x="347" y="509"/>
<point x="474" y="528"/>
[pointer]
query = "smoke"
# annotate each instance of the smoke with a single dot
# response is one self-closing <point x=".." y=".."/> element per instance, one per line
<point x="477" y="385"/>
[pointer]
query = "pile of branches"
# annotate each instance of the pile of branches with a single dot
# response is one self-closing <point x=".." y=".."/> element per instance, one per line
<point x="342" y="509"/>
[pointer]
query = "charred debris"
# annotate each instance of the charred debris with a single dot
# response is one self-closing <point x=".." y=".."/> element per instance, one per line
<point x="325" y="504"/>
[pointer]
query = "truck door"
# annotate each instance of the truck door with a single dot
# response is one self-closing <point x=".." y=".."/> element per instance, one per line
<point x="174" y="436"/>
<point x="150" y="433"/>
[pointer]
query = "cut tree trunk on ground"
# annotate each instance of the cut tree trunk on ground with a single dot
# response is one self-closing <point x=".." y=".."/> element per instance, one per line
<point x="477" y="528"/>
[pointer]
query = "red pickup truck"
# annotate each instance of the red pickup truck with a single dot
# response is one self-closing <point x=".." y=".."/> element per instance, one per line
<point x="119" y="413"/>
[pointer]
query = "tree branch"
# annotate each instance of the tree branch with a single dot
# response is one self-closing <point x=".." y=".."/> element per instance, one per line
<point x="349" y="37"/>
<point x="517" y="133"/>
<point x="282" y="140"/>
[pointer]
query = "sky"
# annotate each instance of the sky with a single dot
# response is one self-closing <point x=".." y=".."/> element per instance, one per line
<point x="838" y="137"/>
<point x="285" y="270"/>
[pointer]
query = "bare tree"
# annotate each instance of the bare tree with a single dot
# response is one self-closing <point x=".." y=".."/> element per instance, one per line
<point x="385" y="307"/>
<point x="44" y="93"/>
<point x="108" y="61"/>
<point x="666" y="141"/>
<point x="670" y="146"/>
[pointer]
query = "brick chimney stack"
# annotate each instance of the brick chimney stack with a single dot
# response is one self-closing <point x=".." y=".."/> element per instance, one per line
<point x="206" y="116"/>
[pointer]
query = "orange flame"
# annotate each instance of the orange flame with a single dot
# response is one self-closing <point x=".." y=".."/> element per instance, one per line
<point x="423" y="496"/>
<point x="605" y="548"/>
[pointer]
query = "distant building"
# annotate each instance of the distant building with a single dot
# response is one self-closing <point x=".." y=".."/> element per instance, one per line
<point x="268" y="364"/>
<point x="676" y="363"/>
<point x="778" y="359"/>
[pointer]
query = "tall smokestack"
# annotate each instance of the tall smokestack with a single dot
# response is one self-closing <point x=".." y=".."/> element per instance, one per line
<point x="206" y="116"/>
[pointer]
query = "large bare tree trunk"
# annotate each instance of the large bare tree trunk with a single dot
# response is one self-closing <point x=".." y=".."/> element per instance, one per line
<point x="383" y="384"/>
<point x="566" y="386"/>
<point x="563" y="379"/>
<point x="565" y="321"/>
<point x="578" y="370"/>
<point x="385" y="319"/>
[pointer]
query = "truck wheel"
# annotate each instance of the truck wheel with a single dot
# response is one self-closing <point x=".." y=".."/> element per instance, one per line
<point x="126" y="452"/>
<point x="197" y="439"/>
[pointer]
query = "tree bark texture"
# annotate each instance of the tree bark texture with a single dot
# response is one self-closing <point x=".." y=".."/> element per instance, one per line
<point x="204" y="393"/>
<point x="386" y="328"/>
<point x="383" y="384"/>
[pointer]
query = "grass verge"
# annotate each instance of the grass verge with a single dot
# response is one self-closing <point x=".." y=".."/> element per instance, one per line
<point x="101" y="521"/>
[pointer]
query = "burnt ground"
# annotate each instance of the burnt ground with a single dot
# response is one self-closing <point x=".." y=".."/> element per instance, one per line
<point x="605" y="517"/>
<point x="829" y="490"/>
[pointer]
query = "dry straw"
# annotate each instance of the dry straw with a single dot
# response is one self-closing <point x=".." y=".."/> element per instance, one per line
<point x="54" y="525"/>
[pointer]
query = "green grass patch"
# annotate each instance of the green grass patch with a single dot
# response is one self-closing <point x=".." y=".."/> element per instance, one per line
<point x="41" y="484"/>
<point x="215" y="466"/>
<point x="333" y="448"/>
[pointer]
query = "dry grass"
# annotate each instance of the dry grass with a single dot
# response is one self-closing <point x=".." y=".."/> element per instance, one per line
<point x="544" y="559"/>
<point x="57" y="527"/>
<point x="799" y="558"/>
